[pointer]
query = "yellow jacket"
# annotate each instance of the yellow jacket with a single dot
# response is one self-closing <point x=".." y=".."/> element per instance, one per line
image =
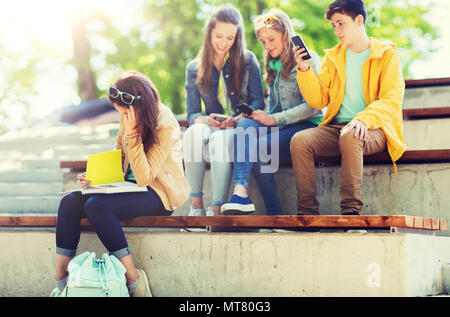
<point x="161" y="167"/>
<point x="383" y="86"/>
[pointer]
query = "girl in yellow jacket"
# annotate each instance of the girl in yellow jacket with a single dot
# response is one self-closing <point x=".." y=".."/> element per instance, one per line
<point x="150" y="140"/>
<point x="362" y="84"/>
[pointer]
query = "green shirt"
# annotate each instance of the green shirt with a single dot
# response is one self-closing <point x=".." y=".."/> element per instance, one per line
<point x="354" y="101"/>
<point x="130" y="174"/>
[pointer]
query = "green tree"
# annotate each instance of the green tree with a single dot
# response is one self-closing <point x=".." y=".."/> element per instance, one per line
<point x="166" y="34"/>
<point x="169" y="34"/>
<point x="164" y="39"/>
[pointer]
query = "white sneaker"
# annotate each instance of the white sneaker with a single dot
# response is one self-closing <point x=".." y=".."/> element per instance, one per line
<point x="193" y="212"/>
<point x="56" y="293"/>
<point x="143" y="287"/>
<point x="210" y="212"/>
<point x="196" y="212"/>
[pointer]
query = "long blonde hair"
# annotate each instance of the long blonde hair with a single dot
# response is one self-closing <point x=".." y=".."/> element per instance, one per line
<point x="279" y="21"/>
<point x="225" y="14"/>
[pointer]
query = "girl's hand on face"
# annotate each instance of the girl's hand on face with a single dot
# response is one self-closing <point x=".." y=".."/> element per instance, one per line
<point x="264" y="118"/>
<point x="304" y="65"/>
<point x="130" y="120"/>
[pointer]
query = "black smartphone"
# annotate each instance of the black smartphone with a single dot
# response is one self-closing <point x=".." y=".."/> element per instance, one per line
<point x="297" y="40"/>
<point x="244" y="108"/>
<point x="221" y="117"/>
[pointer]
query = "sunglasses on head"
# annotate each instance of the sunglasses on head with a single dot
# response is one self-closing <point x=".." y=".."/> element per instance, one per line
<point x="124" y="96"/>
<point x="270" y="19"/>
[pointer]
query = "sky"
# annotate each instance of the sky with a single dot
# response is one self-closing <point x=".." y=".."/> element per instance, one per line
<point x="437" y="65"/>
<point x="50" y="20"/>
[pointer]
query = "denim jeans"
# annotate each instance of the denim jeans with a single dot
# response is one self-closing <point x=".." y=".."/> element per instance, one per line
<point x="104" y="211"/>
<point x="249" y="157"/>
<point x="201" y="142"/>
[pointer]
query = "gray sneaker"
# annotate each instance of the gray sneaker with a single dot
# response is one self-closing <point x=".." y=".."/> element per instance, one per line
<point x="210" y="212"/>
<point x="196" y="212"/>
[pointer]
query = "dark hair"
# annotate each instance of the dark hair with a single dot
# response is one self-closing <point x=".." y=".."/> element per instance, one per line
<point x="352" y="8"/>
<point x="225" y="14"/>
<point x="146" y="107"/>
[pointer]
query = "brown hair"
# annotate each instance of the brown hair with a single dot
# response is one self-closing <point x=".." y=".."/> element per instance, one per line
<point x="146" y="107"/>
<point x="279" y="21"/>
<point x="225" y="14"/>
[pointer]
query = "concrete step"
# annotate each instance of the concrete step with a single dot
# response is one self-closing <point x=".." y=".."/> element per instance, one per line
<point x="427" y="134"/>
<point x="57" y="132"/>
<point x="42" y="175"/>
<point x="74" y="152"/>
<point x="30" y="189"/>
<point x="427" y="97"/>
<point x="38" y="140"/>
<point x="416" y="190"/>
<point x="29" y="204"/>
<point x="104" y="139"/>
<point x="247" y="264"/>
<point x="44" y="163"/>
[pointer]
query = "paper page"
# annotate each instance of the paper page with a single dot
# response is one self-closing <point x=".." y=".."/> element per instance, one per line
<point x="105" y="168"/>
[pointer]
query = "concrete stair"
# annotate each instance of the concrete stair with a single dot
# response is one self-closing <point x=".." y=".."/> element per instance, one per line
<point x="30" y="176"/>
<point x="247" y="264"/>
<point x="427" y="97"/>
<point x="256" y="264"/>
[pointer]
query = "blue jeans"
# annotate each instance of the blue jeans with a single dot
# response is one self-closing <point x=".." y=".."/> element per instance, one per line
<point x="249" y="157"/>
<point x="104" y="213"/>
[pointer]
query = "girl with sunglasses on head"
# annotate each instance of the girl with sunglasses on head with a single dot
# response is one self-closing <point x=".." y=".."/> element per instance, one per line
<point x="287" y="114"/>
<point x="223" y="75"/>
<point x="150" y="140"/>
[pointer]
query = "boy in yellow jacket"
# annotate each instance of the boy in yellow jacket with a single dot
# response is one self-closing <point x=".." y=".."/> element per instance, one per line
<point x="362" y="84"/>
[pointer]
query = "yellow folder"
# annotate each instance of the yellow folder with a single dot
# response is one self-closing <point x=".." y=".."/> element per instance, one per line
<point x="105" y="168"/>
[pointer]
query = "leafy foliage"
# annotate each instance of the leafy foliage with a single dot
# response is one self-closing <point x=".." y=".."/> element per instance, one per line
<point x="170" y="32"/>
<point x="166" y="34"/>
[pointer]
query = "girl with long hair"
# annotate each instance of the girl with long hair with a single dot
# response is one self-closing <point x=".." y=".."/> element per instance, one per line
<point x="287" y="114"/>
<point x="223" y="75"/>
<point x="150" y="140"/>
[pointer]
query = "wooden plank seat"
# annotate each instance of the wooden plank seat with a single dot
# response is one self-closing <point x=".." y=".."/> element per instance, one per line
<point x="429" y="82"/>
<point x="426" y="113"/>
<point x="285" y="221"/>
<point x="409" y="157"/>
<point x="413" y="156"/>
<point x="418" y="113"/>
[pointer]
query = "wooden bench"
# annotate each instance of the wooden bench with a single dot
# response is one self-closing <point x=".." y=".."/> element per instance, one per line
<point x="409" y="157"/>
<point x="286" y="221"/>
<point x="429" y="82"/>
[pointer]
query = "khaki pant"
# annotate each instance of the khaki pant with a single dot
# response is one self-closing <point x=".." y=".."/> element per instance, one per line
<point x="327" y="141"/>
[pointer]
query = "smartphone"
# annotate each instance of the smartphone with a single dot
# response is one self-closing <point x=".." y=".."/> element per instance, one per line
<point x="221" y="117"/>
<point x="244" y="108"/>
<point x="297" y="40"/>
